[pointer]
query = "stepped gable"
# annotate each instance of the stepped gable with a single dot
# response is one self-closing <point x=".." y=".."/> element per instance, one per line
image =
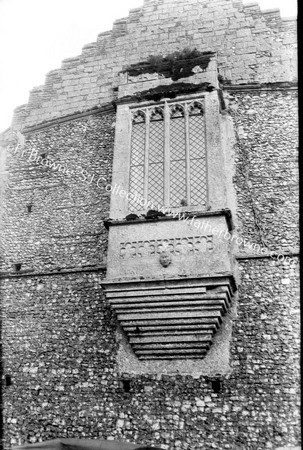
<point x="252" y="46"/>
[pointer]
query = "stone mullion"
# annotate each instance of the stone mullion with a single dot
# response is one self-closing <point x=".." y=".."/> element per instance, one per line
<point x="166" y="155"/>
<point x="146" y="154"/>
<point x="130" y="137"/>
<point x="187" y="154"/>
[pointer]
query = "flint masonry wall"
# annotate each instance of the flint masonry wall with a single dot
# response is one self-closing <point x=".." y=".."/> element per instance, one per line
<point x="59" y="341"/>
<point x="67" y="195"/>
<point x="60" y="350"/>
<point x="266" y="156"/>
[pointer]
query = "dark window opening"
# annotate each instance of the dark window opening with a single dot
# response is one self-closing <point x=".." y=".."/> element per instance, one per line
<point x="217" y="385"/>
<point x="126" y="385"/>
<point x="18" y="267"/>
<point x="8" y="380"/>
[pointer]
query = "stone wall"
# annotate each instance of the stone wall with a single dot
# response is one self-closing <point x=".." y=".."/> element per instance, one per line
<point x="251" y="46"/>
<point x="60" y="369"/>
<point x="266" y="156"/>
<point x="66" y="193"/>
<point x="60" y="351"/>
<point x="60" y="336"/>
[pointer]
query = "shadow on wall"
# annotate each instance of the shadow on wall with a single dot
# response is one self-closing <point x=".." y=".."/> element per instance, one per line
<point x="84" y="444"/>
<point x="2" y="380"/>
<point x="2" y="170"/>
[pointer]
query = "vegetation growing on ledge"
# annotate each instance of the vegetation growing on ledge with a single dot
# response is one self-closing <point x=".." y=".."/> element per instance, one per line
<point x="171" y="91"/>
<point x="175" y="66"/>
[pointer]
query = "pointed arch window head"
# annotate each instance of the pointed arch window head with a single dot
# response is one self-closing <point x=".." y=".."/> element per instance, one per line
<point x="177" y="111"/>
<point x="157" y="113"/>
<point x="139" y="117"/>
<point x="168" y="156"/>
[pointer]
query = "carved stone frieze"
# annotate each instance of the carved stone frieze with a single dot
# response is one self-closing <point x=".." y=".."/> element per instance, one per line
<point x="177" y="246"/>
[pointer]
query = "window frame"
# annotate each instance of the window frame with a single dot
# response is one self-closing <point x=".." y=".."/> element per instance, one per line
<point x="217" y="143"/>
<point x="145" y="108"/>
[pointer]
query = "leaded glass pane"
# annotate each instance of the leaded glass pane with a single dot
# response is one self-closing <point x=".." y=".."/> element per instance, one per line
<point x="136" y="186"/>
<point x="137" y="163"/>
<point x="177" y="183"/>
<point x="198" y="186"/>
<point x="156" y="142"/>
<point x="138" y="142"/>
<point x="177" y="162"/>
<point x="156" y="162"/>
<point x="156" y="185"/>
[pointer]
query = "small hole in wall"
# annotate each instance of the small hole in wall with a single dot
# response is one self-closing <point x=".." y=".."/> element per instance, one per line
<point x="8" y="380"/>
<point x="217" y="385"/>
<point x="43" y="155"/>
<point x="126" y="385"/>
<point x="18" y="267"/>
<point x="29" y="208"/>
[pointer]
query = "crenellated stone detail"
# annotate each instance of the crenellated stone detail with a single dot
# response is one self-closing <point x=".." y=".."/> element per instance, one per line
<point x="120" y="27"/>
<point x="36" y="96"/>
<point x="273" y="19"/>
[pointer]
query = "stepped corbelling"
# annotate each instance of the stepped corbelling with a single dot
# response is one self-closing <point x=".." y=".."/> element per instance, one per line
<point x="171" y="319"/>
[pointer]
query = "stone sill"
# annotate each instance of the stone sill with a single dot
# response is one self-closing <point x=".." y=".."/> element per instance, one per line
<point x="225" y="212"/>
<point x="209" y="280"/>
